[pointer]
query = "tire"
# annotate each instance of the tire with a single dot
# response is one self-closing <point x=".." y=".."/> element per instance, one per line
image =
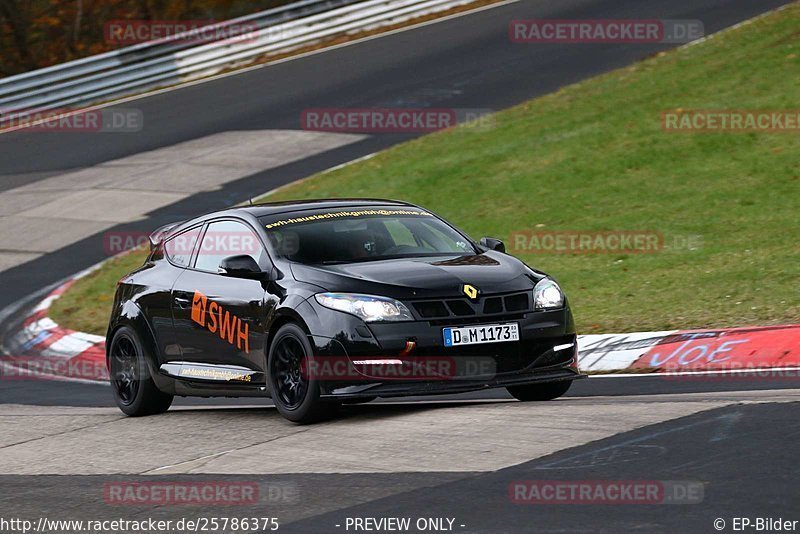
<point x="540" y="392"/>
<point x="134" y="390"/>
<point x="295" y="395"/>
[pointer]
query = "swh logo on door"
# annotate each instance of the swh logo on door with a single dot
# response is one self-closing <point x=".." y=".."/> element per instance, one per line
<point x="217" y="320"/>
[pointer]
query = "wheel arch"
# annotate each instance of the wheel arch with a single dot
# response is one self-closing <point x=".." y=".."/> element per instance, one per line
<point x="132" y="316"/>
<point x="282" y="317"/>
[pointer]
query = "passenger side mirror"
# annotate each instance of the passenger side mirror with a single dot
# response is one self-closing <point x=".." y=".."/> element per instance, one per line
<point x="242" y="266"/>
<point x="493" y="244"/>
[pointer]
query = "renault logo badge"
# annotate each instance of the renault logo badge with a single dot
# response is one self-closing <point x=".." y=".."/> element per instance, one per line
<point x="470" y="291"/>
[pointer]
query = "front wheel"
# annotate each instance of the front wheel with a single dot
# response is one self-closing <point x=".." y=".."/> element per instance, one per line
<point x="134" y="390"/>
<point x="540" y="392"/>
<point x="295" y="394"/>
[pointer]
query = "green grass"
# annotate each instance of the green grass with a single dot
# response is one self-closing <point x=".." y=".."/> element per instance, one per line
<point x="85" y="307"/>
<point x="593" y="157"/>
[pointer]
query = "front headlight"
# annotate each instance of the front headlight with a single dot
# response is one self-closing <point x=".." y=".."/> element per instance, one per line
<point x="367" y="307"/>
<point x="547" y="295"/>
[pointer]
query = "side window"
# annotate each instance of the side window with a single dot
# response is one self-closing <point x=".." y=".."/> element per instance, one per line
<point x="228" y="238"/>
<point x="179" y="248"/>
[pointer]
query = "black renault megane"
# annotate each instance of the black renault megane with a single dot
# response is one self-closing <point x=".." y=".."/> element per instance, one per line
<point x="319" y="303"/>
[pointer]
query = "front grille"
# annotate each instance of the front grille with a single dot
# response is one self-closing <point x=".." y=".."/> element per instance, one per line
<point x="435" y="310"/>
<point x="493" y="305"/>
<point x="518" y="302"/>
<point x="460" y="308"/>
<point x="431" y="309"/>
<point x="476" y="319"/>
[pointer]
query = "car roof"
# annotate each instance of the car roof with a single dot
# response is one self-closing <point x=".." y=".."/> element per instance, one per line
<point x="272" y="208"/>
<point x="292" y="206"/>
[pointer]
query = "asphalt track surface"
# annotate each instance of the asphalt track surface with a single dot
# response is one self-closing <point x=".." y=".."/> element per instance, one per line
<point x="435" y="459"/>
<point x="55" y="393"/>
<point x="451" y="456"/>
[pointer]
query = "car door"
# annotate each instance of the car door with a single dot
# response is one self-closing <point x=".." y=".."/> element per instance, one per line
<point x="168" y="262"/>
<point x="219" y="319"/>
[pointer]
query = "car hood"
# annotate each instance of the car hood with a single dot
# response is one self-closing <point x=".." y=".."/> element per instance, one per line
<point x="490" y="272"/>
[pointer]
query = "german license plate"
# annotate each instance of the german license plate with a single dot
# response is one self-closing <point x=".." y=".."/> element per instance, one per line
<point x="485" y="333"/>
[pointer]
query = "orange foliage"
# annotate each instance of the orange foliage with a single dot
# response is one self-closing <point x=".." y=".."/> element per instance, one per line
<point x="40" y="33"/>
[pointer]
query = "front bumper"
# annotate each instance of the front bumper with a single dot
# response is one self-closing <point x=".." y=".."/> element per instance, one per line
<point x="413" y="388"/>
<point x="546" y="352"/>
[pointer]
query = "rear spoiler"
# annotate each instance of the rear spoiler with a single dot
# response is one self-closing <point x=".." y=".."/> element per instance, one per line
<point x="157" y="237"/>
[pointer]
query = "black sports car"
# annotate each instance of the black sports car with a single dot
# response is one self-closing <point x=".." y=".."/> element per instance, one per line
<point x="326" y="302"/>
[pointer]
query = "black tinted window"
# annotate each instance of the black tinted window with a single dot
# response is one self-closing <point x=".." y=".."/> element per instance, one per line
<point x="179" y="248"/>
<point x="363" y="235"/>
<point x="228" y="238"/>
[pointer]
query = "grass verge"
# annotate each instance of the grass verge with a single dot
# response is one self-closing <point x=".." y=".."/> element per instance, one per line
<point x="85" y="307"/>
<point x="594" y="157"/>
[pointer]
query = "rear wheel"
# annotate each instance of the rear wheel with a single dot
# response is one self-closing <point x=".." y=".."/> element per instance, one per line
<point x="295" y="394"/>
<point x="134" y="390"/>
<point x="540" y="392"/>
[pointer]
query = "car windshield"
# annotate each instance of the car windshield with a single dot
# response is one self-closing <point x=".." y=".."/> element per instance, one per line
<point x="362" y="234"/>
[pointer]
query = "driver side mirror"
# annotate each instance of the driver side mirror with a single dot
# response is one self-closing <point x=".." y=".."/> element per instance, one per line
<point x="242" y="266"/>
<point x="493" y="244"/>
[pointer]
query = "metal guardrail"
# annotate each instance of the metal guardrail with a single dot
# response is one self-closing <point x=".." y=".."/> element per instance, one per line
<point x="177" y="59"/>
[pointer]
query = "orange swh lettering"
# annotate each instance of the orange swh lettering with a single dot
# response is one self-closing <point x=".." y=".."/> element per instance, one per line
<point x="199" y="303"/>
<point x="220" y="321"/>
